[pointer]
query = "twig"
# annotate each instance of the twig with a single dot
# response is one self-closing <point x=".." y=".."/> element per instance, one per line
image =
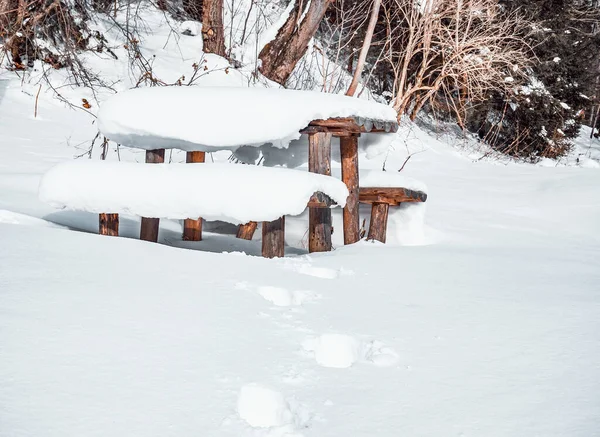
<point x="37" y="96"/>
<point x="405" y="161"/>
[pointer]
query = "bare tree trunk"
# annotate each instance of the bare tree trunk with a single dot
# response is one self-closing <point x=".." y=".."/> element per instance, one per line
<point x="213" y="35"/>
<point x="280" y="56"/>
<point x="365" y="48"/>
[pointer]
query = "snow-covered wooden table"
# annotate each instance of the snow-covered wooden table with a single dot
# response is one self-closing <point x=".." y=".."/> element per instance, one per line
<point x="199" y="120"/>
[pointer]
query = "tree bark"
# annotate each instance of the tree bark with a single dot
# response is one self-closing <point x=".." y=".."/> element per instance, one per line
<point x="280" y="56"/>
<point x="365" y="48"/>
<point x="213" y="34"/>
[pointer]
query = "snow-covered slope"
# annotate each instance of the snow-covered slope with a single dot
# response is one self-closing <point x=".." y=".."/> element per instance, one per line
<point x="480" y="319"/>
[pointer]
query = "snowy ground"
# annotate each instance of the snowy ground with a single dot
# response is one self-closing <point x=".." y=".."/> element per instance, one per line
<point x="480" y="321"/>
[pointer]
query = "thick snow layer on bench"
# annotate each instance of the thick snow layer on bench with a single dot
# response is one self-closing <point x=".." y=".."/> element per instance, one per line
<point x="387" y="179"/>
<point x="213" y="118"/>
<point x="234" y="193"/>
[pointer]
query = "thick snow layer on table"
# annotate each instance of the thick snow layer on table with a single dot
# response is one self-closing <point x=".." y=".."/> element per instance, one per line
<point x="233" y="193"/>
<point x="375" y="178"/>
<point x="212" y="118"/>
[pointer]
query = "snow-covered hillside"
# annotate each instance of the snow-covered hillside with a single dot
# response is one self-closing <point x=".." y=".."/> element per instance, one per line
<point x="480" y="318"/>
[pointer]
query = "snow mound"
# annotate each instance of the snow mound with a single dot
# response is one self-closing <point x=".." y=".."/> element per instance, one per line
<point x="283" y="297"/>
<point x="228" y="192"/>
<point x="334" y="350"/>
<point x="213" y="118"/>
<point x="341" y="351"/>
<point x="263" y="407"/>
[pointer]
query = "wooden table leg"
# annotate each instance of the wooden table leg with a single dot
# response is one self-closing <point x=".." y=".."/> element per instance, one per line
<point x="149" y="228"/>
<point x="109" y="224"/>
<point x="246" y="231"/>
<point x="192" y="228"/>
<point x="349" y="155"/>
<point x="273" y="238"/>
<point x="319" y="161"/>
<point x="379" y="218"/>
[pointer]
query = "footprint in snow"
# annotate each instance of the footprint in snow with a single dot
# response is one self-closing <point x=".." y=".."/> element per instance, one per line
<point x="306" y="268"/>
<point x="285" y="298"/>
<point x="342" y="351"/>
<point x="281" y="297"/>
<point x="262" y="407"/>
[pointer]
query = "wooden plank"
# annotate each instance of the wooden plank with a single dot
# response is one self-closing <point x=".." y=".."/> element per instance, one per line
<point x="392" y="196"/>
<point x="149" y="227"/>
<point x="109" y="224"/>
<point x="348" y="125"/>
<point x="319" y="161"/>
<point x="349" y="158"/>
<point x="246" y="231"/>
<point x="378" y="226"/>
<point x="192" y="228"/>
<point x="273" y="238"/>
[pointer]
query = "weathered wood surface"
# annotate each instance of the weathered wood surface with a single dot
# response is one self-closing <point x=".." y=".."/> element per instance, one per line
<point x="350" y="125"/>
<point x="109" y="224"/>
<point x="320" y="200"/>
<point x="349" y="158"/>
<point x="319" y="161"/>
<point x="149" y="227"/>
<point x="391" y="196"/>
<point x="273" y="238"/>
<point x="379" y="218"/>
<point x="192" y="228"/>
<point x="246" y="231"/>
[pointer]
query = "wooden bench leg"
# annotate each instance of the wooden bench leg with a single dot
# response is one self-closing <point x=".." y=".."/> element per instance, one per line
<point x="246" y="232"/>
<point x="192" y="228"/>
<point x="273" y="238"/>
<point x="349" y="155"/>
<point x="378" y="226"/>
<point x="319" y="161"/>
<point x="109" y="224"/>
<point x="149" y="228"/>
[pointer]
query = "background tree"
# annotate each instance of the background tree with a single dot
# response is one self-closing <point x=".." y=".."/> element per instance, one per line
<point x="280" y="56"/>
<point x="213" y="32"/>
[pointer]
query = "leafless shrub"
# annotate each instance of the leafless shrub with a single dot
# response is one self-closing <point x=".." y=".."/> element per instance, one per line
<point x="463" y="49"/>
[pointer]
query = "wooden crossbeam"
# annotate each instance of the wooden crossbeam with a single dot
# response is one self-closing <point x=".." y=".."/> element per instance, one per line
<point x="391" y="196"/>
<point x="344" y="126"/>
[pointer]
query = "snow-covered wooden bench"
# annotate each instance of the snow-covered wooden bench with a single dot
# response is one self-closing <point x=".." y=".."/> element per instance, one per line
<point x="384" y="189"/>
<point x="381" y="198"/>
<point x="227" y="192"/>
<point x="200" y="119"/>
<point x="381" y="190"/>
